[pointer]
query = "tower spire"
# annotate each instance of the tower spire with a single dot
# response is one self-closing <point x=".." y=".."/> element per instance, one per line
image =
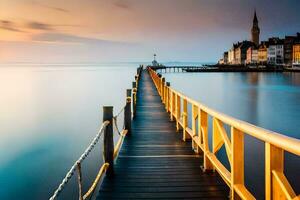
<point x="255" y="31"/>
<point x="255" y="20"/>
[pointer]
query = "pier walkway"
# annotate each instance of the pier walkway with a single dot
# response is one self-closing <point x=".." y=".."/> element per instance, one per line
<point x="154" y="162"/>
<point x="166" y="137"/>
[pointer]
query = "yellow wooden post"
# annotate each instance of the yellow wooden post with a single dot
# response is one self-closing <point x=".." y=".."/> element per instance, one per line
<point x="184" y="120"/>
<point x="162" y="92"/>
<point x="167" y="101"/>
<point x="159" y="84"/>
<point x="178" y="111"/>
<point x="274" y="160"/>
<point x="216" y="138"/>
<point x="173" y="105"/>
<point x="207" y="165"/>
<point x="237" y="167"/>
<point x="194" y="117"/>
<point x="165" y="94"/>
<point x="199" y="129"/>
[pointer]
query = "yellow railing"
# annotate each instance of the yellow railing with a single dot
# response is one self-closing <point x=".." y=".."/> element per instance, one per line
<point x="276" y="184"/>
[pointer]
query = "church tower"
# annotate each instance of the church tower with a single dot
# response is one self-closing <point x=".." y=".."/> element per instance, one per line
<point x="255" y="30"/>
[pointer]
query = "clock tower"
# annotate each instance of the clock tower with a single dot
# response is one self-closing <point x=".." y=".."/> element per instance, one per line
<point x="255" y="31"/>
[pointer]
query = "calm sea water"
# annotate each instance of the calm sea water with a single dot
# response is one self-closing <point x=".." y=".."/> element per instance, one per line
<point x="50" y="113"/>
<point x="269" y="100"/>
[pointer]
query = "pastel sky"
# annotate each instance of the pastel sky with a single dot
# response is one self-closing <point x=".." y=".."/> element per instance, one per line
<point x="59" y="31"/>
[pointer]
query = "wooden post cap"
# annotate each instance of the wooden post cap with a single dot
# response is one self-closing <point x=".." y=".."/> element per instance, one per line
<point x="107" y="113"/>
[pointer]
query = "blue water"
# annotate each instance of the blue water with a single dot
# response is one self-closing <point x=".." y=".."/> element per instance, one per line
<point x="50" y="113"/>
<point x="268" y="100"/>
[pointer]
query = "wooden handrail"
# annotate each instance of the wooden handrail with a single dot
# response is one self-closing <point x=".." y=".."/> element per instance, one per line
<point x="276" y="184"/>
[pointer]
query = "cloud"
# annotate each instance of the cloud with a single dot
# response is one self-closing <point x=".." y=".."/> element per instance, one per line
<point x="33" y="25"/>
<point x="46" y="27"/>
<point x="39" y="26"/>
<point x="57" y="8"/>
<point x="68" y="38"/>
<point x="10" y="26"/>
<point x="51" y="7"/>
<point x="122" y="4"/>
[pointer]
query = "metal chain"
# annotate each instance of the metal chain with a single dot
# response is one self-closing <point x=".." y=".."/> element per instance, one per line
<point x="81" y="158"/>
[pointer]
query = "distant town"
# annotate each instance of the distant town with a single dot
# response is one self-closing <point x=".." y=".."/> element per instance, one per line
<point x="275" y="52"/>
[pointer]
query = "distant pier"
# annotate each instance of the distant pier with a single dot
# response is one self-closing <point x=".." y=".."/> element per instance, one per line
<point x="222" y="68"/>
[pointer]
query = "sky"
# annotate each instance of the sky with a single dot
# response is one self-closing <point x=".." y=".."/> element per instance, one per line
<point x="66" y="31"/>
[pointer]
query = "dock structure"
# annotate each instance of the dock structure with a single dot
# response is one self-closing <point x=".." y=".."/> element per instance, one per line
<point x="154" y="162"/>
<point x="169" y="69"/>
<point x="168" y="150"/>
<point x="220" y="68"/>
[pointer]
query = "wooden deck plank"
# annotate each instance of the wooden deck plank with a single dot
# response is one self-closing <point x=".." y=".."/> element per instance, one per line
<point x="154" y="162"/>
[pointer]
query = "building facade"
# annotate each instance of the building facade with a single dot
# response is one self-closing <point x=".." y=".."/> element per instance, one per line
<point x="252" y="55"/>
<point x="232" y="54"/>
<point x="276" y="51"/>
<point x="263" y="53"/>
<point x="225" y="57"/>
<point x="241" y="52"/>
<point x="296" y="54"/>
<point x="288" y="49"/>
<point x="255" y="31"/>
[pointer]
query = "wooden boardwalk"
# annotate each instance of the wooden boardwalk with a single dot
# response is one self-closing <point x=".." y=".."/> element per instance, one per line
<point x="154" y="162"/>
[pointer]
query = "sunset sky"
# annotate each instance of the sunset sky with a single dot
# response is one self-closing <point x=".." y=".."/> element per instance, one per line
<point x="59" y="31"/>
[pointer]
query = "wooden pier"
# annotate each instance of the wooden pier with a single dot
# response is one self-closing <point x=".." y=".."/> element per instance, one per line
<point x="154" y="162"/>
<point x="168" y="150"/>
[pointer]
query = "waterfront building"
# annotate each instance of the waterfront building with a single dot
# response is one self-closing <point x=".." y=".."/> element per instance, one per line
<point x="263" y="53"/>
<point x="237" y="54"/>
<point x="221" y="61"/>
<point x="296" y="54"/>
<point x="241" y="52"/>
<point x="255" y="31"/>
<point x="231" y="55"/>
<point x="252" y="55"/>
<point x="288" y="48"/>
<point x="275" y="51"/>
<point x="225" y="57"/>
